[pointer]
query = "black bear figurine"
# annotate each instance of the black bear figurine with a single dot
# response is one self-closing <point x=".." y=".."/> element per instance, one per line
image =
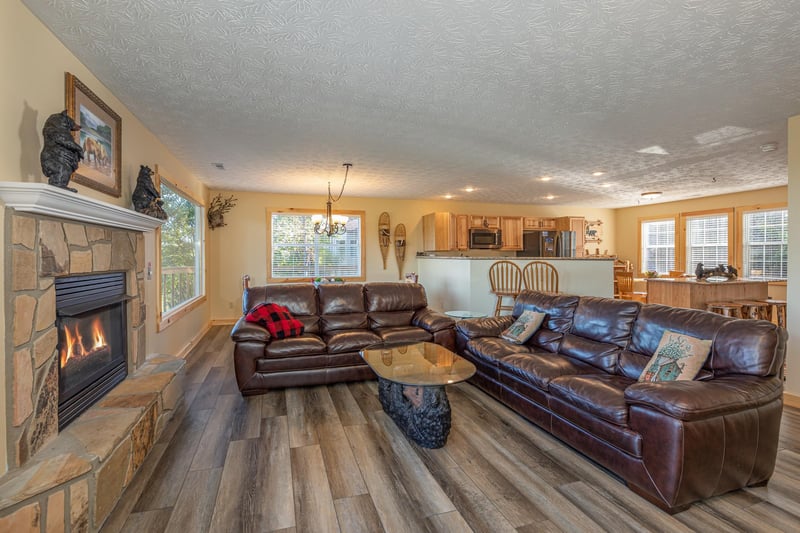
<point x="146" y="198"/>
<point x="60" y="153"/>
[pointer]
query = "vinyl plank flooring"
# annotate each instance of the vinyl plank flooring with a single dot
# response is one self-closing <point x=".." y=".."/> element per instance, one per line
<point x="313" y="504"/>
<point x="150" y="521"/>
<point x="213" y="443"/>
<point x="236" y="508"/>
<point x="195" y="504"/>
<point x="451" y="522"/>
<point x="729" y="511"/>
<point x="246" y="417"/>
<point x="210" y="387"/>
<point x="346" y="405"/>
<point x="365" y="398"/>
<point x="274" y="474"/>
<point x="601" y="510"/>
<point x="357" y="514"/>
<point x="273" y="403"/>
<point x="301" y="430"/>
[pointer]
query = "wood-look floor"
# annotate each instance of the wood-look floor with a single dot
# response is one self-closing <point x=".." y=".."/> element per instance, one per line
<point x="329" y="459"/>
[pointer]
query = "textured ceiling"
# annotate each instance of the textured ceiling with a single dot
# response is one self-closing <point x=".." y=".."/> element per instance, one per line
<point x="427" y="97"/>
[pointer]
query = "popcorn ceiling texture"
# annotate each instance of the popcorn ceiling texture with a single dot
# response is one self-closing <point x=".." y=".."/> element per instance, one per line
<point x="426" y="97"/>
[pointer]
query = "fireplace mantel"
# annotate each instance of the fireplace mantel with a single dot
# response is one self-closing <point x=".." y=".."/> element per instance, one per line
<point x="44" y="199"/>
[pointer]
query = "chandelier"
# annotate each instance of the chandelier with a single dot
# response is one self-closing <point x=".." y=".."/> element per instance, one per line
<point x="329" y="224"/>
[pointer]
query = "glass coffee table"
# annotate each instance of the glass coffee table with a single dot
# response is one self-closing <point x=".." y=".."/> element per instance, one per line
<point x="411" y="386"/>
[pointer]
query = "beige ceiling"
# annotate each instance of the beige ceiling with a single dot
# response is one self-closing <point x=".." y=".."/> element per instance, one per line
<point x="427" y="97"/>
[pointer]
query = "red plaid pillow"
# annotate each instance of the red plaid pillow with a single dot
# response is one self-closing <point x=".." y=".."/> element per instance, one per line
<point x="277" y="319"/>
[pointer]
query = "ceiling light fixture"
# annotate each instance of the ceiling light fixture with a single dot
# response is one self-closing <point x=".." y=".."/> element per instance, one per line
<point x="769" y="147"/>
<point x="549" y="197"/>
<point x="545" y="178"/>
<point x="605" y="185"/>
<point x="329" y="224"/>
<point x="448" y="196"/>
<point x="598" y="173"/>
<point x="652" y="195"/>
<point x="470" y="189"/>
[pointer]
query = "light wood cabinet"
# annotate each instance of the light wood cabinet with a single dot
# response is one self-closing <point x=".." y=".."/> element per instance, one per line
<point x="462" y="232"/>
<point x="538" y="223"/>
<point x="439" y="232"/>
<point x="512" y="233"/>
<point x="576" y="224"/>
<point x="483" y="221"/>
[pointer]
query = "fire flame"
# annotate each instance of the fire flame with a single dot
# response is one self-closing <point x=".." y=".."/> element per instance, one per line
<point x="74" y="344"/>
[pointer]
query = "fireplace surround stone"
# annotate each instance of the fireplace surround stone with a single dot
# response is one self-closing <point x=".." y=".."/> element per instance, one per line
<point x="73" y="479"/>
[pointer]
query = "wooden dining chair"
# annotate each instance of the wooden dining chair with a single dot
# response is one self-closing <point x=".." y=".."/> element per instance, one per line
<point x="505" y="278"/>
<point x="540" y="276"/>
<point x="625" y="287"/>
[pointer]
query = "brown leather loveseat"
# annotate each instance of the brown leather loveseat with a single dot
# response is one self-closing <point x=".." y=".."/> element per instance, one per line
<point x="339" y="320"/>
<point x="672" y="442"/>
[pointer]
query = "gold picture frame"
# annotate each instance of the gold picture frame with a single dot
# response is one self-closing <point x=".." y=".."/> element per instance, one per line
<point x="100" y="136"/>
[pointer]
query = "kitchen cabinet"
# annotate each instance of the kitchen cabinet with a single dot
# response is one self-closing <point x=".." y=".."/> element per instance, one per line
<point x="512" y="233"/>
<point x="482" y="221"/>
<point x="439" y="232"/>
<point x="538" y="223"/>
<point x="576" y="224"/>
<point x="462" y="232"/>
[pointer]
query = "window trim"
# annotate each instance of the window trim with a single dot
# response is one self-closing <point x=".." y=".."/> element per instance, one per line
<point x="678" y="250"/>
<point x="732" y="233"/>
<point x="739" y="213"/>
<point x="301" y="211"/>
<point x="164" y="320"/>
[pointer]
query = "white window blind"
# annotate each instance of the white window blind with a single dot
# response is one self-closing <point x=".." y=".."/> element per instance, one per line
<point x="298" y="252"/>
<point x="658" y="246"/>
<point x="765" y="244"/>
<point x="706" y="241"/>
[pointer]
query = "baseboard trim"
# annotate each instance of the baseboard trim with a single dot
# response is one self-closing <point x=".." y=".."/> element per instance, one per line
<point x="792" y="400"/>
<point x="184" y="352"/>
<point x="224" y="321"/>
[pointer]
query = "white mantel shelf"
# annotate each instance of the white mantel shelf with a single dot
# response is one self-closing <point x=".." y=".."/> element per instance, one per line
<point x="44" y="199"/>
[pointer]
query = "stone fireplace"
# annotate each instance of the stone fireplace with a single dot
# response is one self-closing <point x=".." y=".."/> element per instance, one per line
<point x="55" y="239"/>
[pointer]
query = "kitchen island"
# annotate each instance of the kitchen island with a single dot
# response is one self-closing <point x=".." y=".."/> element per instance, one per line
<point x="694" y="294"/>
<point x="463" y="282"/>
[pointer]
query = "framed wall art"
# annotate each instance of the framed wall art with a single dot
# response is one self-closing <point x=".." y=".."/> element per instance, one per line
<point x="593" y="231"/>
<point x="100" y="136"/>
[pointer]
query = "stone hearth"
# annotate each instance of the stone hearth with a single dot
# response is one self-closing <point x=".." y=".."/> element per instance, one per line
<point x="70" y="481"/>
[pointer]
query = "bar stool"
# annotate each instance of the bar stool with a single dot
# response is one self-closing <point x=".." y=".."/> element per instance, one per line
<point x="755" y="309"/>
<point x="505" y="278"/>
<point x="780" y="309"/>
<point x="725" y="309"/>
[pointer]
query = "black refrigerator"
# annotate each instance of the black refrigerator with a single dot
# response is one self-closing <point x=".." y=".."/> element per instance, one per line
<point x="547" y="244"/>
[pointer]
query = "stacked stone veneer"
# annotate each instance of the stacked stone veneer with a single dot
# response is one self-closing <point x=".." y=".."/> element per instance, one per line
<point x="70" y="481"/>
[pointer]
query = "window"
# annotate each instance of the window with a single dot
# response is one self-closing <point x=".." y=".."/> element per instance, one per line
<point x="181" y="251"/>
<point x="765" y="244"/>
<point x="296" y="252"/>
<point x="707" y="240"/>
<point x="658" y="246"/>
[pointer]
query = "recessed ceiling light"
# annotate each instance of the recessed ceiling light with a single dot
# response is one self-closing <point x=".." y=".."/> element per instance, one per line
<point x="545" y="178"/>
<point x="598" y="173"/>
<point x="651" y="195"/>
<point x="657" y="150"/>
<point x="769" y="147"/>
<point x="448" y="196"/>
<point x="605" y="185"/>
<point x="549" y="197"/>
<point x="470" y="189"/>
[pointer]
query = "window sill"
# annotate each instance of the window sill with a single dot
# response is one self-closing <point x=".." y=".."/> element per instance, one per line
<point x="165" y="321"/>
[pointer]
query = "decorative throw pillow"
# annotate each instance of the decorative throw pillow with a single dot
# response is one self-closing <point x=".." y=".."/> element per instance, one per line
<point x="677" y="358"/>
<point x="277" y="319"/>
<point x="524" y="327"/>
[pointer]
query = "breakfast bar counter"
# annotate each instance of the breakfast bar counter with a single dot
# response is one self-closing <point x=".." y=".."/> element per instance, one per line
<point x="693" y="294"/>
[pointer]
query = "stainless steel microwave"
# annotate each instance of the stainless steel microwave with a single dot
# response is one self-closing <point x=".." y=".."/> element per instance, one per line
<point x="485" y="238"/>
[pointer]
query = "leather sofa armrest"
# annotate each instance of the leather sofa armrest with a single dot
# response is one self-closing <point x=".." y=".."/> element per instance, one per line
<point x="484" y="327"/>
<point x="697" y="400"/>
<point x="248" y="331"/>
<point x="432" y="321"/>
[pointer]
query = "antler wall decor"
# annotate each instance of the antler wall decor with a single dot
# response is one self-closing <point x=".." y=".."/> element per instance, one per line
<point x="218" y="207"/>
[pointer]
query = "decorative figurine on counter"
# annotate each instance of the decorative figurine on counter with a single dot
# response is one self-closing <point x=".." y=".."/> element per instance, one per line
<point x="60" y="153"/>
<point x="146" y="198"/>
<point x="718" y="273"/>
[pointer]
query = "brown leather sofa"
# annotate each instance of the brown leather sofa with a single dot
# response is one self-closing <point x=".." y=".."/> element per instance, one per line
<point x="339" y="320"/>
<point x="672" y="442"/>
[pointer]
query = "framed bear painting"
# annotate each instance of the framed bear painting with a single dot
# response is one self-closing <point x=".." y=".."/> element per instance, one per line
<point x="100" y="136"/>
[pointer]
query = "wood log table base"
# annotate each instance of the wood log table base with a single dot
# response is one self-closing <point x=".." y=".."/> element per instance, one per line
<point x="422" y="413"/>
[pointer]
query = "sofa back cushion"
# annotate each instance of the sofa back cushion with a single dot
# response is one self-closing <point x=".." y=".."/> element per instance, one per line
<point x="393" y="304"/>
<point x="649" y="328"/>
<point x="601" y="329"/>
<point x="559" y="310"/>
<point x="753" y="347"/>
<point x="299" y="298"/>
<point x="342" y="307"/>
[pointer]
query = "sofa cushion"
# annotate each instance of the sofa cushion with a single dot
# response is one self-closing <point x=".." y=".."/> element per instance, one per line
<point x="350" y="340"/>
<point x="299" y="298"/>
<point x="603" y="355"/>
<point x="390" y="319"/>
<point x="344" y="321"/>
<point x="677" y="358"/>
<point x="493" y="348"/>
<point x="277" y="319"/>
<point x="342" y="298"/>
<point x="524" y="327"/>
<point x="602" y="395"/>
<point x="559" y="309"/>
<point x="404" y="334"/>
<point x="382" y="297"/>
<point x="305" y="344"/>
<point x="542" y="367"/>
<point x="754" y="347"/>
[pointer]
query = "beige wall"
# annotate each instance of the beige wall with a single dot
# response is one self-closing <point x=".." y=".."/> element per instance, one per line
<point x="33" y="62"/>
<point x="241" y="246"/>
<point x="793" y="287"/>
